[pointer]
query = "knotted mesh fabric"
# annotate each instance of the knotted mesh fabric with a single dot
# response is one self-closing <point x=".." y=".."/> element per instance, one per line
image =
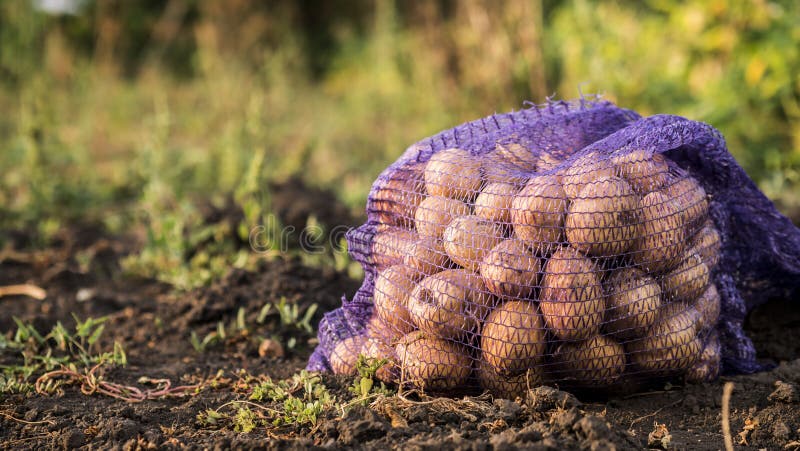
<point x="574" y="243"/>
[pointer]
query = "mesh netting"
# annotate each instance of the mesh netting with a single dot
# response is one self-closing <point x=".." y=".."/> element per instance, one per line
<point x="573" y="243"/>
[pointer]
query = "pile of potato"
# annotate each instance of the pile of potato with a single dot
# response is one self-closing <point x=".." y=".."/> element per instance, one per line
<point x="516" y="268"/>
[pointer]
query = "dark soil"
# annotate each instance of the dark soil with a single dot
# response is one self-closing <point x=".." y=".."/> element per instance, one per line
<point x="154" y="324"/>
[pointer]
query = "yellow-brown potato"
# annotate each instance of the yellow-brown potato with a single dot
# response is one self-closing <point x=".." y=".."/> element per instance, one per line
<point x="671" y="343"/>
<point x="453" y="173"/>
<point x="537" y="213"/>
<point x="633" y="302"/>
<point x="431" y="363"/>
<point x="427" y="255"/>
<point x="511" y="270"/>
<point x="585" y="170"/>
<point x="494" y="202"/>
<point x="345" y="355"/>
<point x="660" y="236"/>
<point x="467" y="239"/>
<point x="497" y="169"/>
<point x="517" y="155"/>
<point x="708" y="244"/>
<point x="376" y="327"/>
<point x="692" y="200"/>
<point x="375" y="348"/>
<point x="687" y="281"/>
<point x="601" y="219"/>
<point x="508" y="387"/>
<point x="434" y="213"/>
<point x="597" y="361"/>
<point x="449" y="304"/>
<point x="513" y="337"/>
<point x="707" y="367"/>
<point x="644" y="171"/>
<point x="390" y="245"/>
<point x="709" y="306"/>
<point x="395" y="201"/>
<point x="571" y="298"/>
<point x="393" y="286"/>
<point x="548" y="161"/>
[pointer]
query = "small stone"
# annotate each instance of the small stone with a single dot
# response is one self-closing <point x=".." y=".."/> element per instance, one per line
<point x="785" y="392"/>
<point x="270" y="348"/>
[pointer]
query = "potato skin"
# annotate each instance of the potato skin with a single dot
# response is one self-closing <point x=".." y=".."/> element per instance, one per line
<point x="645" y="171"/>
<point x="518" y="155"/>
<point x="693" y="202"/>
<point x="708" y="244"/>
<point x="393" y="286"/>
<point x="449" y="304"/>
<point x="548" y="161"/>
<point x="537" y="213"/>
<point x="432" y="363"/>
<point x="585" y="170"/>
<point x="660" y="236"/>
<point x="511" y="270"/>
<point x="671" y="343"/>
<point x="633" y="302"/>
<point x="709" y="305"/>
<point x="597" y="361"/>
<point x="453" y="173"/>
<point x="467" y="239"/>
<point x="494" y="202"/>
<point x="435" y="213"/>
<point x="687" y="281"/>
<point x="390" y="245"/>
<point x="395" y="201"/>
<point x="508" y="387"/>
<point x="345" y="355"/>
<point x="513" y="338"/>
<point x="571" y="298"/>
<point x="601" y="220"/>
<point x="427" y="256"/>
<point x="707" y="367"/>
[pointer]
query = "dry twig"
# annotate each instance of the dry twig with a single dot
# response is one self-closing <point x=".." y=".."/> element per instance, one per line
<point x="726" y="415"/>
<point x="23" y="290"/>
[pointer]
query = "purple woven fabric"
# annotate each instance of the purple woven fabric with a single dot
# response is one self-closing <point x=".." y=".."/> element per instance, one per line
<point x="761" y="248"/>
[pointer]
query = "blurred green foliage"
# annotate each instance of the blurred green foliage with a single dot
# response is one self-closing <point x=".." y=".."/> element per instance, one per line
<point x="129" y="113"/>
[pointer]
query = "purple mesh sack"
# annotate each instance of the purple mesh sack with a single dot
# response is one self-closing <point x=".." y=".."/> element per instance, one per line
<point x="574" y="243"/>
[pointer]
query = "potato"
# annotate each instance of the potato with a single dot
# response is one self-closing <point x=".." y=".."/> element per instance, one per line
<point x="671" y="343"/>
<point x="427" y="256"/>
<point x="393" y="286"/>
<point x="374" y="348"/>
<point x="597" y="361"/>
<point x="601" y="219"/>
<point x="707" y="367"/>
<point x="390" y="245"/>
<point x="508" y="387"/>
<point x="467" y="239"/>
<point x="585" y="170"/>
<point x="376" y="327"/>
<point x="687" y="281"/>
<point x="434" y="213"/>
<point x="498" y="169"/>
<point x="571" y="298"/>
<point x="513" y="338"/>
<point x="548" y="161"/>
<point x="518" y="155"/>
<point x="432" y="363"/>
<point x="644" y="171"/>
<point x="537" y="213"/>
<point x="692" y="199"/>
<point x="449" y="304"/>
<point x="708" y="244"/>
<point x="453" y="173"/>
<point x="660" y="236"/>
<point x="709" y="306"/>
<point x="345" y="355"/>
<point x="511" y="270"/>
<point x="633" y="301"/>
<point x="395" y="201"/>
<point x="494" y="202"/>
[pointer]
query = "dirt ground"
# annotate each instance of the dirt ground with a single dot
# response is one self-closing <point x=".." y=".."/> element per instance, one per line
<point x="154" y="326"/>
